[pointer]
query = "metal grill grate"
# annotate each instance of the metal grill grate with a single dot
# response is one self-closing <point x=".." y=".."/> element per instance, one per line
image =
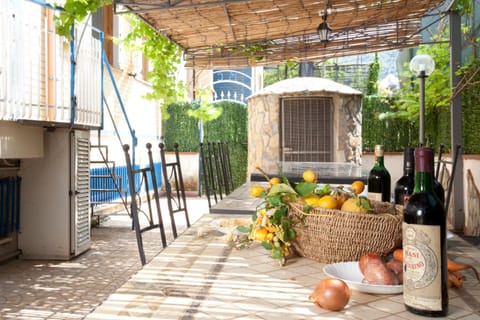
<point x="307" y="129"/>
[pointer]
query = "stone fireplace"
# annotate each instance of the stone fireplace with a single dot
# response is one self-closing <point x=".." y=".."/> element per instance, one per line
<point x="304" y="120"/>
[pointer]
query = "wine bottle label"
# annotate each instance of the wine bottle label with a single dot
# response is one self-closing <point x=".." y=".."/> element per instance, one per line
<point x="422" y="279"/>
<point x="375" y="196"/>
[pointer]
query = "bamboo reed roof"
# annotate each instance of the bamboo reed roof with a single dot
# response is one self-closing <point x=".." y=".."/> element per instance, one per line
<point x="242" y="33"/>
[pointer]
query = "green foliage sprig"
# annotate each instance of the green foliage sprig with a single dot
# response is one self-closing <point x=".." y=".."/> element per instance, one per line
<point x="164" y="57"/>
<point x="373" y="73"/>
<point x="75" y="11"/>
<point x="163" y="54"/>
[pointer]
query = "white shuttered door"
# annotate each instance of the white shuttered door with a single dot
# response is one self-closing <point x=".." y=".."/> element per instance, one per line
<point x="80" y="191"/>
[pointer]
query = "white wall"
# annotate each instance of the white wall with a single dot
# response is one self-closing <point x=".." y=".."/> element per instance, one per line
<point x="45" y="202"/>
<point x="20" y="141"/>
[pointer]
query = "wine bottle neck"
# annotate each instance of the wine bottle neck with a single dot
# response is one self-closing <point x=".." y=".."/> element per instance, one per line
<point x="379" y="161"/>
<point x="408" y="171"/>
<point x="424" y="181"/>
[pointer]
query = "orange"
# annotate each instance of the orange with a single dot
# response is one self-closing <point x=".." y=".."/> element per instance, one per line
<point x="358" y="187"/>
<point x="309" y="176"/>
<point x="327" y="202"/>
<point x="256" y="191"/>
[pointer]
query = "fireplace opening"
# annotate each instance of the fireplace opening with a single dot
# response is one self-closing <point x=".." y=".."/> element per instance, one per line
<point x="306" y="129"/>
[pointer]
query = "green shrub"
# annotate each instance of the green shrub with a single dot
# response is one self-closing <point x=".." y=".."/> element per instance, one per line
<point x="180" y="128"/>
<point x="230" y="128"/>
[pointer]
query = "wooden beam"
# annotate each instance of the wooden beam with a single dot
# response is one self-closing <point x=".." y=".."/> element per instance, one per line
<point x="458" y="216"/>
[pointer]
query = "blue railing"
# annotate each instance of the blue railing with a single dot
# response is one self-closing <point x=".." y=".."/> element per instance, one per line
<point x="103" y="190"/>
<point x="9" y="205"/>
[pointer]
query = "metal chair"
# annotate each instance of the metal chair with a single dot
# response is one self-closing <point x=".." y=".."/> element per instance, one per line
<point x="176" y="197"/>
<point x="216" y="170"/>
<point x="208" y="182"/>
<point x="135" y="201"/>
<point x="441" y="171"/>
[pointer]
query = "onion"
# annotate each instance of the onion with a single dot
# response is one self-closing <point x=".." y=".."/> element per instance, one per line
<point x="331" y="294"/>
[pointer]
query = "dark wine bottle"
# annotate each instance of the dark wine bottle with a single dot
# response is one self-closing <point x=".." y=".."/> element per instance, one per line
<point x="404" y="186"/>
<point x="424" y="244"/>
<point x="379" y="178"/>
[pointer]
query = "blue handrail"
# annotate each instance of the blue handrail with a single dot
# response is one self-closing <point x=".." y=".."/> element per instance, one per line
<point x="117" y="93"/>
<point x="73" y="100"/>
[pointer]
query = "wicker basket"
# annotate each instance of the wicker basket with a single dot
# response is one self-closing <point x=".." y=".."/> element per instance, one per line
<point x="329" y="235"/>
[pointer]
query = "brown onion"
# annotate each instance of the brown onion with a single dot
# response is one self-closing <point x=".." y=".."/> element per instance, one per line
<point x="331" y="294"/>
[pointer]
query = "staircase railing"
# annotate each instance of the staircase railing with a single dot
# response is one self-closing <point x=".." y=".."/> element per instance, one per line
<point x="110" y="171"/>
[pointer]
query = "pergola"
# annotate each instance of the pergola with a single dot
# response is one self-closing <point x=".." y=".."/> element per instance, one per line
<point x="243" y="33"/>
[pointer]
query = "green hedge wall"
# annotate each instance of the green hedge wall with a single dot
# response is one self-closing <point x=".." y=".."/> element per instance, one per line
<point x="230" y="127"/>
<point x="471" y="111"/>
<point x="396" y="133"/>
<point x="181" y="128"/>
<point x="393" y="133"/>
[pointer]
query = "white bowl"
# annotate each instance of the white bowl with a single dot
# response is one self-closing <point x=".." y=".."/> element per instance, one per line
<point x="350" y="273"/>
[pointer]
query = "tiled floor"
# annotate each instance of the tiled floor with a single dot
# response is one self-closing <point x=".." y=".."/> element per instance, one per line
<point x="38" y="290"/>
<point x="200" y="276"/>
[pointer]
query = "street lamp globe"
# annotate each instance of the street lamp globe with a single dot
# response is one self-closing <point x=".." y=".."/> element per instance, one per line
<point x="422" y="62"/>
<point x="422" y="66"/>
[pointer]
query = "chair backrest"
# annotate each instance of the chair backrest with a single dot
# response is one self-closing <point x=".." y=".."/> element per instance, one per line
<point x="442" y="174"/>
<point x="135" y="201"/>
<point x="216" y="169"/>
<point x="176" y="198"/>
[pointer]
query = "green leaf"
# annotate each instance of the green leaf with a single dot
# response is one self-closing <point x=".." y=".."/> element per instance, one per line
<point x="280" y="188"/>
<point x="277" y="253"/>
<point x="289" y="235"/>
<point x="279" y="214"/>
<point x="275" y="200"/>
<point x="365" y="204"/>
<point x="326" y="189"/>
<point x="305" y="188"/>
<point x="244" y="229"/>
<point x="267" y="245"/>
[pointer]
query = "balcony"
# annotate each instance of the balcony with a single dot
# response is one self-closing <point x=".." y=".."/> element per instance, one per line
<point x="46" y="80"/>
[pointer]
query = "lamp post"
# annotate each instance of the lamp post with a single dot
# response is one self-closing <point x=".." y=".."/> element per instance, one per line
<point x="422" y="66"/>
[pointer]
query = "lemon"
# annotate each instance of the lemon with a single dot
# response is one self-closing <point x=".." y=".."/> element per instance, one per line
<point x="312" y="200"/>
<point x="256" y="191"/>
<point x="327" y="202"/>
<point x="309" y="176"/>
<point x="275" y="180"/>
<point x="353" y="205"/>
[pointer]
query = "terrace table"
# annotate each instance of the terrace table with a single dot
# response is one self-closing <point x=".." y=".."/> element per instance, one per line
<point x="239" y="201"/>
<point x="200" y="276"/>
<point x="328" y="172"/>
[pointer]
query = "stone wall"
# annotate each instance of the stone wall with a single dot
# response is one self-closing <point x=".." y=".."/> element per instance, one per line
<point x="264" y="149"/>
